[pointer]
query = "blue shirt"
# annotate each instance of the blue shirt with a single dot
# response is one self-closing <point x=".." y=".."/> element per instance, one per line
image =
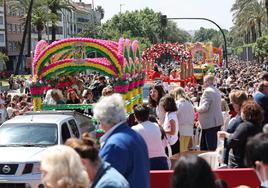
<point x="108" y="177"/>
<point x="127" y="152"/>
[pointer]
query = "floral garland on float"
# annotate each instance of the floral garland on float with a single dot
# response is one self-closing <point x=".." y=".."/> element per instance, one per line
<point x="178" y="53"/>
<point x="120" y="61"/>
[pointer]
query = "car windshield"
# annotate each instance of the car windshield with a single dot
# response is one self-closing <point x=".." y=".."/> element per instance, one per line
<point x="28" y="135"/>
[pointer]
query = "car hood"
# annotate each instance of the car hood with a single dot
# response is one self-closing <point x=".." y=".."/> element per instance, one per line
<point x="21" y="154"/>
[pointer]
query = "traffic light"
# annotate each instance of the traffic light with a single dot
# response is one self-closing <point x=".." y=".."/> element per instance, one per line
<point x="163" y="20"/>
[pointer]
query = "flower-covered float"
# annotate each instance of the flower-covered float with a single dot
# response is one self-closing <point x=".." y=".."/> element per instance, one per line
<point x="178" y="54"/>
<point x="210" y="54"/>
<point x="120" y="61"/>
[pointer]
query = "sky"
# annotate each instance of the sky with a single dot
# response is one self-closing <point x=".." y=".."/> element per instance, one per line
<point x="216" y="10"/>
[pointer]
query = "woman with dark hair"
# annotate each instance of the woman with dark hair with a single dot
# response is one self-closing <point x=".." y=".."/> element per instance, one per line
<point x="156" y="93"/>
<point x="156" y="73"/>
<point x="170" y="124"/>
<point x="100" y="173"/>
<point x="252" y="116"/>
<point x="192" y="171"/>
<point x="151" y="134"/>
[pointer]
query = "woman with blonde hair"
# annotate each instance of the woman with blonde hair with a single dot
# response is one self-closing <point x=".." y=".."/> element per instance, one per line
<point x="186" y="117"/>
<point x="61" y="167"/>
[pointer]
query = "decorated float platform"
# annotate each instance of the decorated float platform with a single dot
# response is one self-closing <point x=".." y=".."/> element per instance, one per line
<point x="120" y="61"/>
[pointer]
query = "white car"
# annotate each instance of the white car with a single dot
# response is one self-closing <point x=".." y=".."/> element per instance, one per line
<point x="24" y="139"/>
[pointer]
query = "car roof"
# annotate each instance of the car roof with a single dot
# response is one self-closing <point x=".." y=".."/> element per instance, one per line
<point x="39" y="118"/>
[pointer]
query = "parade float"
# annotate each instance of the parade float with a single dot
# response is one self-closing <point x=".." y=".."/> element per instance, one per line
<point x="210" y="54"/>
<point x="120" y="61"/>
<point x="177" y="53"/>
<point x="211" y="57"/>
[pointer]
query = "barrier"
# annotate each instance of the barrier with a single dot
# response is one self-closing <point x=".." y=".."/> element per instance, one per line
<point x="233" y="177"/>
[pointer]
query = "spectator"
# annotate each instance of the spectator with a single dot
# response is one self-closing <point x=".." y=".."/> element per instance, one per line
<point x="61" y="167"/>
<point x="186" y="117"/>
<point x="261" y="97"/>
<point x="225" y="113"/>
<point x="88" y="99"/>
<point x="3" y="112"/>
<point x="56" y="96"/>
<point x="237" y="98"/>
<point x="156" y="74"/>
<point x="252" y="117"/>
<point x="192" y="171"/>
<point x="257" y="156"/>
<point x="100" y="173"/>
<point x="151" y="133"/>
<point x="98" y="87"/>
<point x="156" y="93"/>
<point x="72" y="97"/>
<point x="122" y="147"/>
<point x="210" y="115"/>
<point x="170" y="125"/>
<point x="108" y="90"/>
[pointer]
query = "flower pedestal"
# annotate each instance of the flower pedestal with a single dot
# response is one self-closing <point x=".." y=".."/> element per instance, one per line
<point x="37" y="92"/>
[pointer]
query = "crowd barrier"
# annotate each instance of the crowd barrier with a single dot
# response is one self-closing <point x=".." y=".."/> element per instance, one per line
<point x="233" y="177"/>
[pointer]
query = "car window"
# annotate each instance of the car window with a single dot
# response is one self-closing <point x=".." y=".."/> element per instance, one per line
<point x="74" y="128"/>
<point x="65" y="133"/>
<point x="19" y="134"/>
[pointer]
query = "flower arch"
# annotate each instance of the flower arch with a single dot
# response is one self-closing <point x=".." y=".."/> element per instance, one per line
<point x="120" y="61"/>
<point x="176" y="50"/>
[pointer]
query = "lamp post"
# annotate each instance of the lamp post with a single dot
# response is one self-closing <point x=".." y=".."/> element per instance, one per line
<point x="224" y="38"/>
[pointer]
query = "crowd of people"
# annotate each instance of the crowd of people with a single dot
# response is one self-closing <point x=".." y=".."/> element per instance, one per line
<point x="231" y="105"/>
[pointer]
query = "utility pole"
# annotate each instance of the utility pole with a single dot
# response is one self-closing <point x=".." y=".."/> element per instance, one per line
<point x="224" y="38"/>
<point x="121" y="20"/>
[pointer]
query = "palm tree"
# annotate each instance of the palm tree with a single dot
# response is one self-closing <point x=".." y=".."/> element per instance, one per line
<point x="56" y="6"/>
<point x="29" y="5"/>
<point x="249" y="13"/>
<point x="39" y="15"/>
<point x="266" y="7"/>
<point x="101" y="11"/>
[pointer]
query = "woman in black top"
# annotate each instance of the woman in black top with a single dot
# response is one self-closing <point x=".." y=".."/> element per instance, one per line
<point x="252" y="115"/>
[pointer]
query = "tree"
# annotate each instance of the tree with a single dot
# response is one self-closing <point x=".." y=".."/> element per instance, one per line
<point x="39" y="16"/>
<point x="266" y="7"/>
<point x="261" y="47"/>
<point x="56" y="6"/>
<point x="207" y="35"/>
<point x="174" y="34"/>
<point x="100" y="10"/>
<point x="249" y="15"/>
<point x="143" y="25"/>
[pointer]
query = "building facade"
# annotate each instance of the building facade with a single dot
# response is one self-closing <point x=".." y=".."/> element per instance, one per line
<point x="2" y="27"/>
<point x="70" y="24"/>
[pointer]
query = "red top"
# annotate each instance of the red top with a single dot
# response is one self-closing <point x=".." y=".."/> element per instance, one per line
<point x="156" y="75"/>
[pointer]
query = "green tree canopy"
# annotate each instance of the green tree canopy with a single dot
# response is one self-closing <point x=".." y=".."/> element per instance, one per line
<point x="143" y="25"/>
<point x="212" y="35"/>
